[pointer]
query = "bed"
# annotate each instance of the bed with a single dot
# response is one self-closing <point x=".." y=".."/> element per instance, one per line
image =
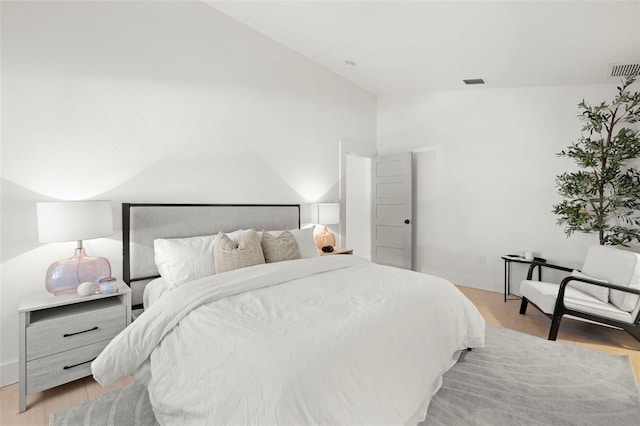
<point x="300" y="339"/>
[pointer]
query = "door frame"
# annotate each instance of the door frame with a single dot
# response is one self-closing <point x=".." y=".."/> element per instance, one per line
<point x="351" y="148"/>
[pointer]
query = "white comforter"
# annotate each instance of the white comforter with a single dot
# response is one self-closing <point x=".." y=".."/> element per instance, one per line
<point x="331" y="340"/>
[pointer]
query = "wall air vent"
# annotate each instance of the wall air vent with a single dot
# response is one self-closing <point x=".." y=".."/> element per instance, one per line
<point x="623" y="70"/>
<point x="474" y="81"/>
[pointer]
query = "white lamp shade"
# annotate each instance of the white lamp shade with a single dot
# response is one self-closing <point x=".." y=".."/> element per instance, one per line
<point x="325" y="213"/>
<point x="74" y="220"/>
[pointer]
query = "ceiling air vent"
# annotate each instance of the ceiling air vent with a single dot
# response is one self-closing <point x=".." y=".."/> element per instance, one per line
<point x="474" y="81"/>
<point x="623" y="70"/>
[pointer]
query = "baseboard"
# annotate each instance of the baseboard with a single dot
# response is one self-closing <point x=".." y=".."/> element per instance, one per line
<point x="8" y="373"/>
<point x="479" y="284"/>
<point x="467" y="280"/>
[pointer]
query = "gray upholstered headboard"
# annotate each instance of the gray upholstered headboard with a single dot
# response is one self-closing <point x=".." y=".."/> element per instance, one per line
<point x="143" y="223"/>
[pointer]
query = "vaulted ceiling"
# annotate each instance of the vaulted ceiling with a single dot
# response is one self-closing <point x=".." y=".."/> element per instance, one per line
<point x="400" y="46"/>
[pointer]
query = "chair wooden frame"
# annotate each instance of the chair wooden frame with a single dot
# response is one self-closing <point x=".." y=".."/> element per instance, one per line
<point x="560" y="308"/>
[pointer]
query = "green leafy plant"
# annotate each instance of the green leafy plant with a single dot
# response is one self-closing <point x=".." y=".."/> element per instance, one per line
<point x="604" y="197"/>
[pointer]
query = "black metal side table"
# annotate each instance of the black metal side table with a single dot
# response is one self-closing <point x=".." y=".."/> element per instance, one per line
<point x="508" y="258"/>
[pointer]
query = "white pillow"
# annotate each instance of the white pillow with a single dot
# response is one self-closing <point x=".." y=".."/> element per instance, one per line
<point x="184" y="259"/>
<point x="305" y="240"/>
<point x="600" y="293"/>
<point x="180" y="260"/>
<point x="235" y="235"/>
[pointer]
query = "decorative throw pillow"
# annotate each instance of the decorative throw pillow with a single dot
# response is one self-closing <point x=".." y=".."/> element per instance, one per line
<point x="600" y="293"/>
<point x="305" y="240"/>
<point x="229" y="255"/>
<point x="282" y="247"/>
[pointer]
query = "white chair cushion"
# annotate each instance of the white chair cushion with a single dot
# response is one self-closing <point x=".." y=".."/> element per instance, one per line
<point x="600" y="293"/>
<point x="618" y="267"/>
<point x="544" y="296"/>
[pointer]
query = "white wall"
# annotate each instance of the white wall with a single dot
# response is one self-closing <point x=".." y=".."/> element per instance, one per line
<point x="485" y="172"/>
<point x="154" y="102"/>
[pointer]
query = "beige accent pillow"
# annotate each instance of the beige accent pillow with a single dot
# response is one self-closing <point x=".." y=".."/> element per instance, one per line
<point x="282" y="247"/>
<point x="228" y="255"/>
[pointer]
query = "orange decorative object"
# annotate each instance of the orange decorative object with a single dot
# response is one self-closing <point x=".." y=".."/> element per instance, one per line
<point x="325" y="238"/>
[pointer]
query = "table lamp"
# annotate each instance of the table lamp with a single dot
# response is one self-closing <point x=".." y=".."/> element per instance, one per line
<point x="325" y="214"/>
<point x="74" y="221"/>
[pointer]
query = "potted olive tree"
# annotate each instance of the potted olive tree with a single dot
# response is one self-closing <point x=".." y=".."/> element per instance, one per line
<point x="604" y="195"/>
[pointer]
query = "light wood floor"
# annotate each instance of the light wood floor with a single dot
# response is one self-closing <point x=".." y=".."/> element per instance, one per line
<point x="490" y="304"/>
<point x="604" y="339"/>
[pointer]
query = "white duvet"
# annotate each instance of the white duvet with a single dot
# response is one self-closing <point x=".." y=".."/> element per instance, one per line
<point x="333" y="340"/>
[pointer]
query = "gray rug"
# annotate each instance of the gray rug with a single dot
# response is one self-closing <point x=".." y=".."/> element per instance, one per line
<point x="517" y="379"/>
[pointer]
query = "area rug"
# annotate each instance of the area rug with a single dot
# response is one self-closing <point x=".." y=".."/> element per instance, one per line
<point x="517" y="379"/>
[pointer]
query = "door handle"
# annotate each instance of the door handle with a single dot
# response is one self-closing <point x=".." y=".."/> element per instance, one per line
<point x="407" y="221"/>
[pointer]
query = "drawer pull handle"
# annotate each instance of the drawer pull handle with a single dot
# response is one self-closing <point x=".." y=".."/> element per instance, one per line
<point x="79" y="332"/>
<point x="66" y="367"/>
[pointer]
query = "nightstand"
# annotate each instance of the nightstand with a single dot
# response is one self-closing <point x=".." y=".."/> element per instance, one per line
<point x="336" y="250"/>
<point x="61" y="335"/>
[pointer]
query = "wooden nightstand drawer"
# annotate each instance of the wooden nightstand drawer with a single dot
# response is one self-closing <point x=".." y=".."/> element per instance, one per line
<point x="61" y="335"/>
<point x="63" y="367"/>
<point x="77" y="327"/>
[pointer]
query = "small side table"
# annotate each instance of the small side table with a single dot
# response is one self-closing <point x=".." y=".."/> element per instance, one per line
<point x="61" y="335"/>
<point x="336" y="250"/>
<point x="508" y="258"/>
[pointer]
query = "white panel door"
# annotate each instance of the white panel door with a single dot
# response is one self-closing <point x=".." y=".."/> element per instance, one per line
<point x="392" y="208"/>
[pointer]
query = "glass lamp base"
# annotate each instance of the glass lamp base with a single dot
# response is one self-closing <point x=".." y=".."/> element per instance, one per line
<point x="65" y="276"/>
